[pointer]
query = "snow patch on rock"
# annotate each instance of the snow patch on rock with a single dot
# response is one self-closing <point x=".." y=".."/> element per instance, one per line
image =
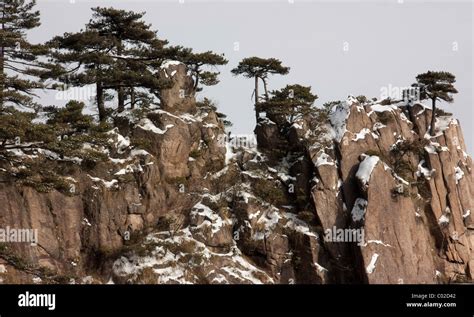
<point x="147" y="125"/>
<point x="107" y="184"/>
<point x="371" y="267"/>
<point x="381" y="108"/>
<point x="459" y="174"/>
<point x="359" y="209"/>
<point x="423" y="171"/>
<point x="175" y="265"/>
<point x="366" y="167"/>
<point x="324" y="159"/>
<point x="120" y="142"/>
<point x="338" y="118"/>
<point x="169" y="63"/>
<point x="443" y="219"/>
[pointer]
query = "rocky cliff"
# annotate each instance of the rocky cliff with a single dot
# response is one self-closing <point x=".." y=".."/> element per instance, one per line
<point x="368" y="197"/>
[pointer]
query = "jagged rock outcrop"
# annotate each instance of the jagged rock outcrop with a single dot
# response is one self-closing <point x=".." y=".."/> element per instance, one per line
<point x="179" y="97"/>
<point x="192" y="208"/>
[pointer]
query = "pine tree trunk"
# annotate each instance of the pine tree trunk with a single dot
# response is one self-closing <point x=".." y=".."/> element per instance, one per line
<point x="120" y="90"/>
<point x="2" y="62"/>
<point x="196" y="83"/>
<point x="2" y="76"/>
<point x="256" y="98"/>
<point x="132" y="98"/>
<point x="265" y="88"/>
<point x="433" y="117"/>
<point x="121" y="100"/>
<point x="100" y="102"/>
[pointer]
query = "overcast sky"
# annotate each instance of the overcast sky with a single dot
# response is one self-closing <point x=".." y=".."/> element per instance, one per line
<point x="337" y="48"/>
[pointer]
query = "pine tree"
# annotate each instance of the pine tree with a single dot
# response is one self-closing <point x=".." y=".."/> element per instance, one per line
<point x="117" y="51"/>
<point x="70" y="119"/>
<point x="436" y="86"/>
<point x="17" y="131"/>
<point x="196" y="62"/>
<point x="296" y="94"/>
<point x="132" y="37"/>
<point x="293" y="101"/>
<point x="260" y="68"/>
<point x="20" y="62"/>
<point x="84" y="53"/>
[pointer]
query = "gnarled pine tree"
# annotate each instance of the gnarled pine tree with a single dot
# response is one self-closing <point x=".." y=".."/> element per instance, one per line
<point x="116" y="51"/>
<point x="288" y="104"/>
<point x="260" y="68"/>
<point x="20" y="62"/>
<point x="436" y="86"/>
<point x="197" y="62"/>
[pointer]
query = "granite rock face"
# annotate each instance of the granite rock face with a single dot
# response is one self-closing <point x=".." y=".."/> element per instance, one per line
<point x="373" y="199"/>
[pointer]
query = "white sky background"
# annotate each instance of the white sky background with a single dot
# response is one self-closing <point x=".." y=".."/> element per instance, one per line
<point x="389" y="44"/>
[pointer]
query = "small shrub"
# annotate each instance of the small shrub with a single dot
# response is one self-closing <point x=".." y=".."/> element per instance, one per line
<point x="269" y="192"/>
<point x="362" y="99"/>
<point x="424" y="189"/>
<point x="49" y="184"/>
<point x="8" y="255"/>
<point x="24" y="173"/>
<point x="459" y="278"/>
<point x="206" y="104"/>
<point x="329" y="105"/>
<point x="404" y="169"/>
<point x="70" y="117"/>
<point x="385" y="117"/>
<point x="416" y="147"/>
<point x="43" y="177"/>
<point x="56" y="182"/>
<point x="127" y="178"/>
<point x="46" y="274"/>
<point x="195" y="154"/>
<point x="140" y="113"/>
<point x="307" y="216"/>
<point x="102" y="127"/>
<point x="141" y="143"/>
<point x="441" y="113"/>
<point x="401" y="165"/>
<point x="400" y="190"/>
<point x="174" y="222"/>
